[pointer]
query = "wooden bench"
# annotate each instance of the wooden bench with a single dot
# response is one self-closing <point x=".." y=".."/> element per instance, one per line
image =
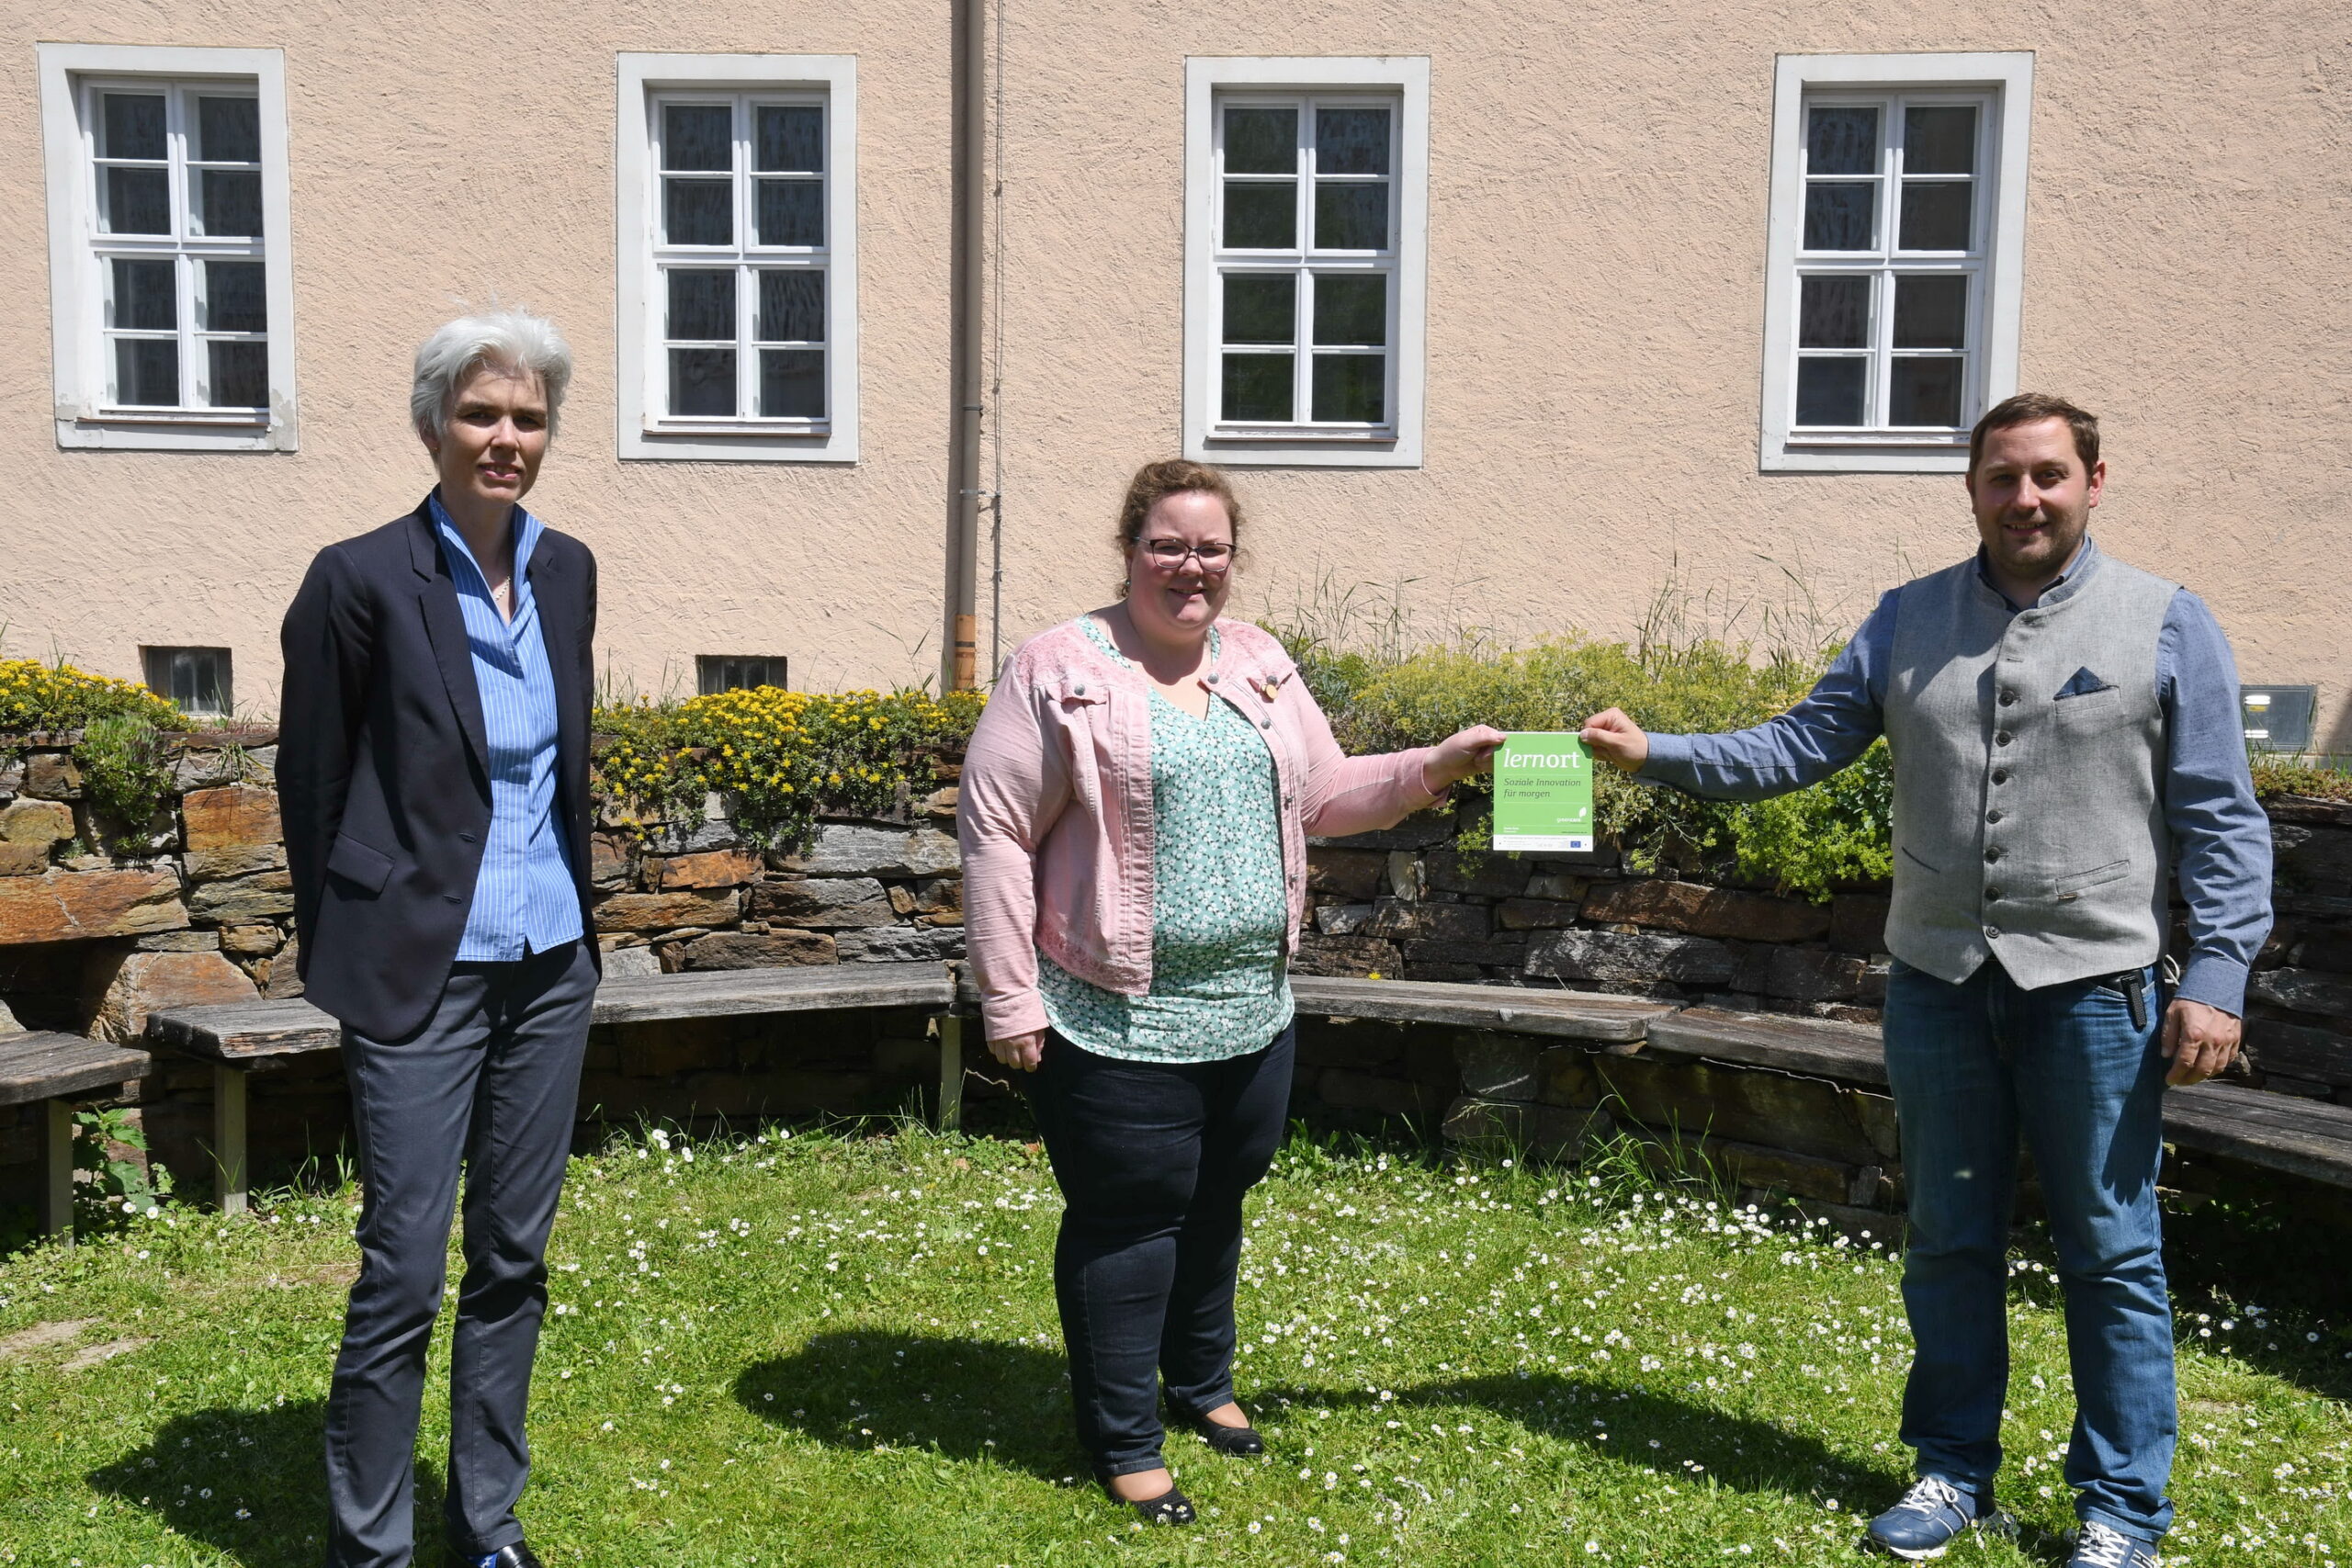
<point x="52" y="1068"/>
<point x="2278" y="1132"/>
<point x="241" y="1036"/>
<point x="1510" y="1010"/>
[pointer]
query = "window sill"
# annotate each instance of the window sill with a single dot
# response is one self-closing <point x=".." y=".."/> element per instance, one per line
<point x="1303" y="446"/>
<point x="1867" y="453"/>
<point x="175" y="430"/>
<point x="740" y="441"/>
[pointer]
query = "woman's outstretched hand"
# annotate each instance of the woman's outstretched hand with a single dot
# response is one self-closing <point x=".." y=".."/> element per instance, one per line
<point x="1459" y="755"/>
<point x="1022" y="1051"/>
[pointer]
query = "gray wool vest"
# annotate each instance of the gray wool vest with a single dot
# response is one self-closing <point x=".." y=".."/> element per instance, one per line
<point x="2029" y="767"/>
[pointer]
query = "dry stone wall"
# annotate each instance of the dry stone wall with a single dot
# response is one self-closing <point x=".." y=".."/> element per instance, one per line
<point x="95" y="942"/>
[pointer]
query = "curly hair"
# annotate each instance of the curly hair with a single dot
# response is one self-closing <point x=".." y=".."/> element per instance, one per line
<point x="1154" y="482"/>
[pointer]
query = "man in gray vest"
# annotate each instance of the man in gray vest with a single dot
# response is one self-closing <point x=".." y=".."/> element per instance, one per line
<point x="2066" y="735"/>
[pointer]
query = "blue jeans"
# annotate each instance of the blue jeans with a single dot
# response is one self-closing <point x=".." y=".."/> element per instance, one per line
<point x="1973" y="1065"/>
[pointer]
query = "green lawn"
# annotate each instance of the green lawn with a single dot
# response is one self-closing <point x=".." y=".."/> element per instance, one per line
<point x="825" y="1351"/>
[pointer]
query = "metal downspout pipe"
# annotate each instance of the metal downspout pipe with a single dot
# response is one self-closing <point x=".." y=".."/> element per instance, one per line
<point x="968" y="322"/>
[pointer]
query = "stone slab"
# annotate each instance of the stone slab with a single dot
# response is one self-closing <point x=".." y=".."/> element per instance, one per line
<point x="848" y="849"/>
<point x="668" y="911"/>
<point x="128" y="986"/>
<point x="1618" y="955"/>
<point x="232" y="831"/>
<point x="1696" y="909"/>
<point x="2304" y="990"/>
<point x="77" y="905"/>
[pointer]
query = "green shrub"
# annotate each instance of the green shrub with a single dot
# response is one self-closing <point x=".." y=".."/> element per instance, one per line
<point x="1811" y="843"/>
<point x="2322" y="778"/>
<point x="775" y="758"/>
<point x="125" y="772"/>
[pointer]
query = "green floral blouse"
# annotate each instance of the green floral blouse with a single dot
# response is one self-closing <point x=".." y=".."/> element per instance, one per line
<point x="1219" y="986"/>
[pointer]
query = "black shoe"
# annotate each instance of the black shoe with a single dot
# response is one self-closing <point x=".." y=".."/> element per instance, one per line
<point x="1237" y="1443"/>
<point x="515" y="1556"/>
<point x="1171" y="1507"/>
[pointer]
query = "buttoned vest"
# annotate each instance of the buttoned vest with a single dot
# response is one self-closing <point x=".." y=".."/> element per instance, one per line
<point x="2028" y="764"/>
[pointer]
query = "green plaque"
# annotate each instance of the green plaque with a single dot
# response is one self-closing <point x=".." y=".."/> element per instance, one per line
<point x="1543" y="794"/>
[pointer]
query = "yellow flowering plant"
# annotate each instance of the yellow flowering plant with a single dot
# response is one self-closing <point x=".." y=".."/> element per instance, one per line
<point x="36" y="698"/>
<point x="775" y="758"/>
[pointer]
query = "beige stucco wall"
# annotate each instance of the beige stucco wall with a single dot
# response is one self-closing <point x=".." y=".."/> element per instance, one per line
<point x="1596" y="257"/>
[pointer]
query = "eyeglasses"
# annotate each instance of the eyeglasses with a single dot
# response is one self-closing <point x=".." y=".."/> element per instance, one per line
<point x="1168" y="555"/>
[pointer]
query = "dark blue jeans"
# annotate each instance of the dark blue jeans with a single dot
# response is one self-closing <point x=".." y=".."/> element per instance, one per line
<point x="1974" y="1066"/>
<point x="1154" y="1159"/>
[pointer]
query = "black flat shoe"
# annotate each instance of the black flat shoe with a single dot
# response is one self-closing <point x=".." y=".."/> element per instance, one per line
<point x="1171" y="1507"/>
<point x="1237" y="1443"/>
<point x="515" y="1556"/>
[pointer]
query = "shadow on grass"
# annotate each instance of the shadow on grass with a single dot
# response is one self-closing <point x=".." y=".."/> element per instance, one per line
<point x="982" y="1400"/>
<point x="1008" y="1405"/>
<point x="204" y="1469"/>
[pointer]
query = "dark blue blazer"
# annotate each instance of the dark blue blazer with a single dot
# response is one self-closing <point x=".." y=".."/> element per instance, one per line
<point x="382" y="772"/>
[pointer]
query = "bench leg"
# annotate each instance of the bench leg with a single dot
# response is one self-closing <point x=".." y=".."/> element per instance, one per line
<point x="228" y="1137"/>
<point x="951" y="1071"/>
<point x="57" y="1180"/>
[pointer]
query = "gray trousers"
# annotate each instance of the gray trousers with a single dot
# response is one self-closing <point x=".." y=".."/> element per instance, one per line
<point x="493" y="1076"/>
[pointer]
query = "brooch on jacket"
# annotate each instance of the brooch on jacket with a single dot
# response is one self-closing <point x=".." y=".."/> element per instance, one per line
<point x="1267" y="686"/>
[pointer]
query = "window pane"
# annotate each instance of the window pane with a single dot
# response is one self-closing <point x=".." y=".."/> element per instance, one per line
<point x="1352" y="311"/>
<point x="1835" y="313"/>
<point x="146" y="296"/>
<point x="1261" y="141"/>
<point x="1258" y="387"/>
<point x="1261" y="216"/>
<point x="1351" y="387"/>
<point x="196" y="678"/>
<point x="698" y="212"/>
<point x="698" y="136"/>
<point x="792" y="212"/>
<point x="1839" y="216"/>
<point x="702" y="381"/>
<point x="1261" y="309"/>
<point x="240" y="378"/>
<point x="147" y="372"/>
<point x="791" y="136"/>
<point x="792" y="305"/>
<point x="1935" y="215"/>
<point x="1931" y="311"/>
<point x="1351" y="217"/>
<point x="702" y="304"/>
<point x="139" y="201"/>
<point x="1939" y="140"/>
<point x="1351" y="142"/>
<point x="228" y="131"/>
<point x="792" y="383"/>
<point x="230" y="200"/>
<point x="1842" y="140"/>
<point x="1924" y="391"/>
<point x="235" y="299"/>
<point x="1829" y="391"/>
<point x="134" y="126"/>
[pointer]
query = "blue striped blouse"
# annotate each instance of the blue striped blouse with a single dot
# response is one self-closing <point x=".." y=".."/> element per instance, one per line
<point x="524" y="899"/>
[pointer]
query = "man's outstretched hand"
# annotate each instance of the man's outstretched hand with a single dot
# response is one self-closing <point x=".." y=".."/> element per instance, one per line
<point x="1615" y="740"/>
<point x="2199" y="1041"/>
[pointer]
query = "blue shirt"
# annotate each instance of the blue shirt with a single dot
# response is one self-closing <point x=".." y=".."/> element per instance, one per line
<point x="524" y="899"/>
<point x="2220" y="836"/>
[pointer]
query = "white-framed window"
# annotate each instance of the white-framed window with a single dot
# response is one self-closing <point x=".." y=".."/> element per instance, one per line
<point x="1894" y="257"/>
<point x="171" y="273"/>
<point x="1306" y="239"/>
<point x="738" y="275"/>
<point x="716" y="673"/>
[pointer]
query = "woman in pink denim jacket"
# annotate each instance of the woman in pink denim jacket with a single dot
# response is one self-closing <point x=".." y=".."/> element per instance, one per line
<point x="1134" y="814"/>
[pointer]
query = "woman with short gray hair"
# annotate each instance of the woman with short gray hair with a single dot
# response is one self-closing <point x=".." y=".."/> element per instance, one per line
<point x="433" y="770"/>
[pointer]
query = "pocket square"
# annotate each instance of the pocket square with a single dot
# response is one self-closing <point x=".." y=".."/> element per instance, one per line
<point x="2083" y="685"/>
